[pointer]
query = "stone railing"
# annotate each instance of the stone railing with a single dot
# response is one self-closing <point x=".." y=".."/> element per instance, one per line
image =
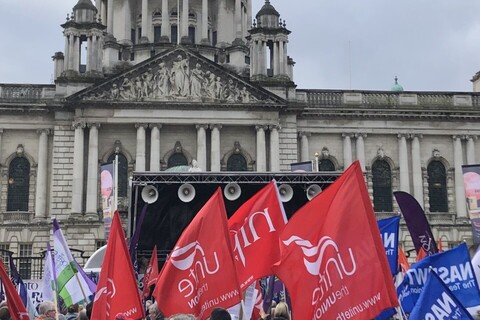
<point x="333" y="98"/>
<point x="32" y="93"/>
<point x="17" y="217"/>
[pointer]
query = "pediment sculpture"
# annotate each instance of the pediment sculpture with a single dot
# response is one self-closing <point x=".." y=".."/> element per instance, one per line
<point x="182" y="77"/>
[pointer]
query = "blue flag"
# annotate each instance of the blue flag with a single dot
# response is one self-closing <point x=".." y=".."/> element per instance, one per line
<point x="454" y="269"/>
<point x="437" y="302"/>
<point x="389" y="232"/>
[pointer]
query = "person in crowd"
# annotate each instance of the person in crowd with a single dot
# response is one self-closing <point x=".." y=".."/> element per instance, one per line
<point x="4" y="313"/>
<point x="220" y="314"/>
<point x="72" y="312"/>
<point x="154" y="313"/>
<point x="281" y="311"/>
<point x="47" y="310"/>
<point x="89" y="309"/>
<point x="182" y="316"/>
<point x="82" y="315"/>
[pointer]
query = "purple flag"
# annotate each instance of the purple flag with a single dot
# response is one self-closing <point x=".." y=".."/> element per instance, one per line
<point x="136" y="235"/>
<point x="417" y="223"/>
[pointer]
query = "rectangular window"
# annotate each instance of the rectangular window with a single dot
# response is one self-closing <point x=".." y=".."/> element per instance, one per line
<point x="139" y="33"/>
<point x="173" y="34"/>
<point x="191" y="34"/>
<point x="100" y="243"/>
<point x="25" y="261"/>
<point x="5" y="255"/>
<point x="132" y="36"/>
<point x="214" y="38"/>
<point x="157" y="33"/>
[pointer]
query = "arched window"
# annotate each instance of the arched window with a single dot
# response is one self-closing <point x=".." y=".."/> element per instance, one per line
<point x="382" y="186"/>
<point x="122" y="173"/>
<point x="326" y="165"/>
<point x="177" y="159"/>
<point x="437" y="186"/>
<point x="237" y="162"/>
<point x="18" y="184"/>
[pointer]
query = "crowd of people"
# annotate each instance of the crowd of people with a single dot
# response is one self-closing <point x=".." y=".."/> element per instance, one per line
<point x="47" y="311"/>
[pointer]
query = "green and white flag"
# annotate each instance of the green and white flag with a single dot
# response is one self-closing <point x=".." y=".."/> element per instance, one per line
<point x="71" y="285"/>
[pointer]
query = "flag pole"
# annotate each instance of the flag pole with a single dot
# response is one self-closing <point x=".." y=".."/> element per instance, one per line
<point x="81" y="287"/>
<point x="115" y="182"/>
<point x="55" y="287"/>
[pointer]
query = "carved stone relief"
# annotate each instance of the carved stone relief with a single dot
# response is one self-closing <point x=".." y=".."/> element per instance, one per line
<point x="180" y="78"/>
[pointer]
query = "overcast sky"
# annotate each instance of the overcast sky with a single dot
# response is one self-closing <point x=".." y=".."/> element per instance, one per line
<point x="431" y="45"/>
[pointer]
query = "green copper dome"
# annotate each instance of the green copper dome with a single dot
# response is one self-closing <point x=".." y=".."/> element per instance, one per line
<point x="397" y="87"/>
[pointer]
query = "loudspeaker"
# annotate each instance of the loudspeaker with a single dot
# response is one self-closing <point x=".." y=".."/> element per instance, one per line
<point x="313" y="190"/>
<point x="149" y="194"/>
<point x="286" y="192"/>
<point x="232" y="191"/>
<point x="186" y="192"/>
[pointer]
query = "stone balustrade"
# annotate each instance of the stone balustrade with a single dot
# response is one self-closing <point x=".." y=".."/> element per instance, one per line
<point x="335" y="98"/>
<point x="26" y="92"/>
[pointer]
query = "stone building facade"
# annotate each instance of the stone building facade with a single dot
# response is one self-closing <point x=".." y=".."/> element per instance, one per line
<point x="161" y="86"/>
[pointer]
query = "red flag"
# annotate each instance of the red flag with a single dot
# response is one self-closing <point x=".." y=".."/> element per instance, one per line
<point x="151" y="275"/>
<point x="199" y="274"/>
<point x="117" y="290"/>
<point x="14" y="302"/>
<point x="402" y="260"/>
<point x="420" y="254"/>
<point x="332" y="258"/>
<point x="254" y="231"/>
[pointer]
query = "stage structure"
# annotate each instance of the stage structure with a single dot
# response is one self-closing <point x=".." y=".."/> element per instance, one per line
<point x="175" y="197"/>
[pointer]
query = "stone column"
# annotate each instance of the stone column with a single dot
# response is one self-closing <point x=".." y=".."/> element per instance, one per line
<point x="103" y="12"/>
<point x="274" y="148"/>
<point x="165" y="22"/>
<point x="89" y="53"/>
<point x="202" y="146"/>
<point x="261" y="154"/>
<point x="41" y="190"/>
<point x="184" y="29"/>
<point x="471" y="149"/>
<point x="204" y="39"/>
<point x="361" y="149"/>
<point x="1" y="133"/>
<point x="255" y="57"/>
<point x="145" y="26"/>
<point x="70" y="57"/>
<point x="155" y="147"/>
<point x="304" y="147"/>
<point x="238" y="19"/>
<point x="66" y="62"/>
<point x="215" y="155"/>
<point x="92" y="172"/>
<point x="403" y="162"/>
<point x="276" y="59"/>
<point x="282" y="63"/>
<point x="76" y="53"/>
<point x="98" y="5"/>
<point x="264" y="58"/>
<point x="347" y="150"/>
<point x="417" y="174"/>
<point x="78" y="167"/>
<point x="94" y="53"/>
<point x="459" y="186"/>
<point x="140" y="153"/>
<point x="110" y="16"/>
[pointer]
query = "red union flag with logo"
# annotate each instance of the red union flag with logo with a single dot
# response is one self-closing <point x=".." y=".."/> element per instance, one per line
<point x="332" y="258"/>
<point x="254" y="231"/>
<point x="117" y="290"/>
<point x="199" y="274"/>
